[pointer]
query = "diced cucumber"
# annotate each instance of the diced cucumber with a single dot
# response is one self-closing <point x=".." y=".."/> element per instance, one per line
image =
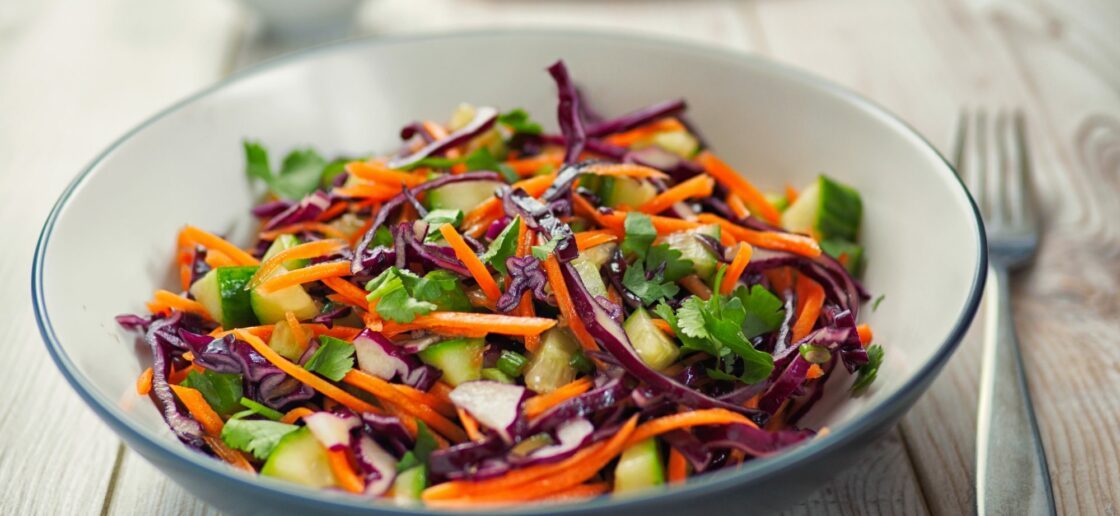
<point x="463" y="115"/>
<point x="300" y="458"/>
<point x="589" y="273"/>
<point x="512" y="363"/>
<point x="550" y="367"/>
<point x="826" y="209"/>
<point x="222" y="292"/>
<point x="283" y="341"/>
<point x="271" y="307"/>
<point x="849" y="254"/>
<point x="284" y="242"/>
<point x="409" y="484"/>
<point x="600" y="254"/>
<point x="704" y="261"/>
<point x="462" y="196"/>
<point x="624" y="191"/>
<point x="639" y="468"/>
<point x="460" y="360"/>
<point x="678" y="142"/>
<point x="779" y="201"/>
<point x="656" y="349"/>
<point x="496" y="375"/>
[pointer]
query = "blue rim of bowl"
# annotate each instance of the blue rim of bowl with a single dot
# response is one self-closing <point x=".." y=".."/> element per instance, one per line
<point x="704" y="484"/>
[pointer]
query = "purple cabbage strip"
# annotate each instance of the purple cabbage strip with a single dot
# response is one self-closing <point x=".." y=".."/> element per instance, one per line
<point x="605" y="396"/>
<point x="497" y="227"/>
<point x="663" y="160"/>
<point x="788" y="382"/>
<point x="388" y="431"/>
<point x="411" y="197"/>
<point x="381" y="357"/>
<point x="637" y="118"/>
<point x="594" y="145"/>
<point x="185" y="428"/>
<point x="691" y="447"/>
<point x="484" y="119"/>
<point x="568" y="112"/>
<point x="525" y="275"/>
<point x="457" y="458"/>
<point x="753" y="441"/>
<point x="306" y="209"/>
<point x="814" y="395"/>
<point x="134" y="322"/>
<point x="431" y="255"/>
<point x="263" y="381"/>
<point x="328" y="318"/>
<point x="416" y="128"/>
<point x="570" y="437"/>
<point x="537" y="216"/>
<point x="272" y="208"/>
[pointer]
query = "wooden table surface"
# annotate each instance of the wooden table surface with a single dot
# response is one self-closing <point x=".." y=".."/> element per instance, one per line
<point x="75" y="74"/>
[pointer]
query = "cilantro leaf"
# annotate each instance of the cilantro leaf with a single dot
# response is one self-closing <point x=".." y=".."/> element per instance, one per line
<point x="333" y="359"/>
<point x="482" y="159"/>
<point x="690" y="317"/>
<point x="443" y="289"/>
<point x="331" y="171"/>
<point x="875" y="304"/>
<point x="256" y="161"/>
<point x="221" y="390"/>
<point x="255" y="436"/>
<point x="261" y="410"/>
<point x="764" y="311"/>
<point x="503" y="246"/>
<point x="300" y="173"/>
<point x="437" y="218"/>
<point x="675" y="267"/>
<point x="541" y="252"/>
<point x="867" y="373"/>
<point x="395" y="301"/>
<point x="518" y="120"/>
<point x="425" y="445"/>
<point x="639" y="233"/>
<point x="383" y="237"/>
<point x="649" y="290"/>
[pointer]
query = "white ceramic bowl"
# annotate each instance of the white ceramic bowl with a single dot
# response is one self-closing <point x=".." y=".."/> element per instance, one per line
<point x="109" y="241"/>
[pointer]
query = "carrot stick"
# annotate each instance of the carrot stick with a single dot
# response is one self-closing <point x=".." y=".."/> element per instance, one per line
<point x="317" y="227"/>
<point x="525" y="307"/>
<point x="739" y="185"/>
<point x="344" y="473"/>
<point x="442" y="391"/>
<point x="680" y="420"/>
<point x="584" y="208"/>
<point x="186" y="257"/>
<point x="357" y="235"/>
<point x="335" y="210"/>
<point x="339" y="332"/>
<point x="735" y="270"/>
<point x="180" y="303"/>
<point x="328" y="389"/>
<point x="579" y="492"/>
<point x="384" y="391"/>
<point x="694" y="284"/>
<point x="589" y="239"/>
<point x="564" y="300"/>
<point x="663" y="225"/>
<point x="443" y="407"/>
<point x="540" y="403"/>
<point x="466" y="255"/>
<point x="377" y="172"/>
<point x="810" y="299"/>
<point x="699" y="186"/>
<point x="305" y="275"/>
<point x="865" y="334"/>
<point x="297" y="329"/>
<point x="814" y="372"/>
<point x="529" y="166"/>
<point x="199" y="409"/>
<point x="263" y="332"/>
<point x="144" y="382"/>
<point x="663" y="325"/>
<point x="637" y="134"/>
<point x="678" y="467"/>
<point x="781" y="279"/>
<point x="353" y="294"/>
<point x="469" y="424"/>
<point x="211" y="241"/>
<point x="313" y="249"/>
<point x="737" y="207"/>
<point x="797" y="244"/>
<point x="217" y="259"/>
<point x="476" y="324"/>
<point x="791" y="194"/>
<point x="295" y="414"/>
<point x="631" y="170"/>
<point x="492" y="207"/>
<point x="233" y="457"/>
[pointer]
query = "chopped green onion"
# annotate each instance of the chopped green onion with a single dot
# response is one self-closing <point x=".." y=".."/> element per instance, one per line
<point x="815" y="354"/>
<point x="511" y="363"/>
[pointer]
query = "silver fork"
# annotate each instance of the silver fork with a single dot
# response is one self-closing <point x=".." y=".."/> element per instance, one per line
<point x="1011" y="473"/>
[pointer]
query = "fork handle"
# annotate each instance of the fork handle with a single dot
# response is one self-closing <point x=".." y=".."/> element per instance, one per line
<point x="1011" y="473"/>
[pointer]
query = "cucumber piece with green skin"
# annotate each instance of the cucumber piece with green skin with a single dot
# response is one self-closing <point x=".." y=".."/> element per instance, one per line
<point x="283" y="243"/>
<point x="284" y="342"/>
<point x="300" y="458"/>
<point x="589" y="273"/>
<point x="639" y="468"/>
<point x="550" y="367"/>
<point x="409" y="484"/>
<point x="600" y="254"/>
<point x="462" y="196"/>
<point x="270" y="307"/>
<point x="847" y="253"/>
<point x="460" y="360"/>
<point x="625" y="191"/>
<point x="779" y="201"/>
<point x="222" y="292"/>
<point x="496" y="375"/>
<point x="704" y="261"/>
<point x="678" y="142"/>
<point x="655" y="348"/>
<point x="827" y="210"/>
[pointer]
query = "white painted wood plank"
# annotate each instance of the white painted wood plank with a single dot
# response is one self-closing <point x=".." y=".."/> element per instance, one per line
<point x="76" y="74"/>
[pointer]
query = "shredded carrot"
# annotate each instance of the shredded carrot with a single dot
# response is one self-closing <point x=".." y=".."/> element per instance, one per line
<point x="180" y="303"/>
<point x="233" y="457"/>
<point x="357" y="235"/>
<point x="217" y="259"/>
<point x="663" y="225"/>
<point x="307" y="250"/>
<point x="737" y="207"/>
<point x="791" y="194"/>
<point x="469" y="424"/>
<point x="589" y="239"/>
<point x="540" y="403"/>
<point x="739" y="185"/>
<point x="735" y="270"/>
<point x="186" y="272"/>
<point x="343" y="472"/>
<point x="698" y="186"/>
<point x="335" y="210"/>
<point x="631" y="170"/>
<point x="810" y="299"/>
<point x="178" y="375"/>
<point x="144" y="382"/>
<point x="797" y="244"/>
<point x="678" y="467"/>
<point x="295" y="414"/>
<point x="339" y="332"/>
<point x="525" y="307"/>
<point x="328" y="389"/>
<point x="584" y="208"/>
<point x="466" y="255"/>
<point x="492" y="207"/>
<point x="694" y="284"/>
<point x="317" y="227"/>
<point x="211" y="241"/>
<point x="353" y="294"/>
<point x="199" y="409"/>
<point x="444" y="407"/>
<point x="814" y="372"/>
<point x="442" y="391"/>
<point x="305" y="275"/>
<point x="378" y="172"/>
<point x="263" y="332"/>
<point x="384" y="391"/>
<point x="475" y="324"/>
<point x="865" y="334"/>
<point x="781" y="279"/>
<point x="716" y="416"/>
<point x="663" y="325"/>
<point x="564" y="300"/>
<point x="579" y="492"/>
<point x="297" y="329"/>
<point x="644" y="132"/>
<point x="366" y="191"/>
<point x="529" y="166"/>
